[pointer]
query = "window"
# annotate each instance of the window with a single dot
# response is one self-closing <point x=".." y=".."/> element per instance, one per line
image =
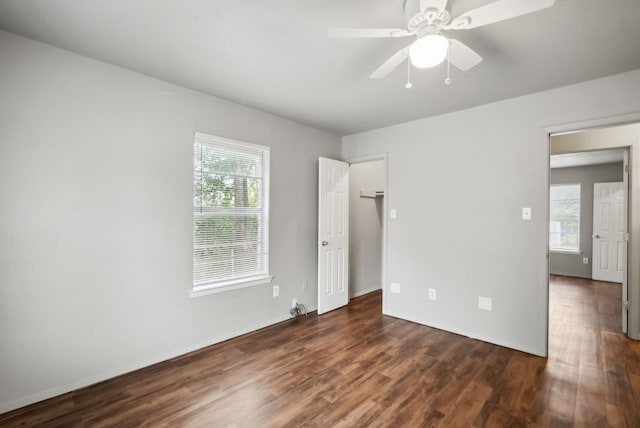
<point x="564" y="209"/>
<point x="230" y="212"/>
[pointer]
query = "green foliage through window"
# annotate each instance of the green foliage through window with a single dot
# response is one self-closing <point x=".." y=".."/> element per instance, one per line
<point x="229" y="226"/>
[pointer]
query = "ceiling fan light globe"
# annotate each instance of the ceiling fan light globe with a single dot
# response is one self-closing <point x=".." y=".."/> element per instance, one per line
<point x="429" y="51"/>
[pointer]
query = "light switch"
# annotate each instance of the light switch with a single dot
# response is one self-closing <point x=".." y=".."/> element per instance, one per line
<point x="526" y="213"/>
<point x="392" y="213"/>
<point x="484" y="303"/>
<point x="395" y="287"/>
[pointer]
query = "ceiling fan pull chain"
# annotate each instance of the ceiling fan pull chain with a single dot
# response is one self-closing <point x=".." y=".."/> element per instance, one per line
<point x="448" y="79"/>
<point x="409" y="84"/>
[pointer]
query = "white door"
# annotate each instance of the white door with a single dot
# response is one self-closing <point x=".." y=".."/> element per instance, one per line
<point x="609" y="246"/>
<point x="333" y="235"/>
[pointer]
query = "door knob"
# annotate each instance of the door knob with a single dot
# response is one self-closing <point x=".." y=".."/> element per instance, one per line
<point x="595" y="236"/>
<point x="325" y="243"/>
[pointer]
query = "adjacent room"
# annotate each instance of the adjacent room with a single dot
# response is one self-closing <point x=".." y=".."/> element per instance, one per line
<point x="340" y="213"/>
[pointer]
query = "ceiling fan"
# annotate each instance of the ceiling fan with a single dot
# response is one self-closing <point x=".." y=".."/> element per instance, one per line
<point x="427" y="19"/>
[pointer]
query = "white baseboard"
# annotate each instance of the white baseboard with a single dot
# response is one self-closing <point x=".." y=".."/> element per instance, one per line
<point x="571" y="274"/>
<point x="359" y="293"/>
<point x="87" y="381"/>
<point x="475" y="336"/>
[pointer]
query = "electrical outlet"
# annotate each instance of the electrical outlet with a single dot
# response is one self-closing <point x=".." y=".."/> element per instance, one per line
<point x="484" y="303"/>
<point x="305" y="285"/>
<point x="276" y="290"/>
<point x="395" y="287"/>
<point x="294" y="302"/>
<point x="585" y="260"/>
<point x="432" y="294"/>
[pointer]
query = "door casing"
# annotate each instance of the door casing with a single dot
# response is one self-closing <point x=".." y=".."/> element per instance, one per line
<point x="385" y="201"/>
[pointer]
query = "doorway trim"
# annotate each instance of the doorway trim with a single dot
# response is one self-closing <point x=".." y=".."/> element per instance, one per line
<point x="385" y="199"/>
<point x="633" y="249"/>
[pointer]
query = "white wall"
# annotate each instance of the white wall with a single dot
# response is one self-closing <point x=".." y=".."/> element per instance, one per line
<point x="459" y="182"/>
<point x="365" y="227"/>
<point x="96" y="220"/>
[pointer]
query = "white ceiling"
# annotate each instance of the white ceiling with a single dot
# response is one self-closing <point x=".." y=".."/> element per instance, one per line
<point x="275" y="55"/>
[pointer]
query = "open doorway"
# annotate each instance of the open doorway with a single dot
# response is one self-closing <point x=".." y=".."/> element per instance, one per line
<point x="351" y="230"/>
<point x="588" y="193"/>
<point x="585" y="251"/>
<point x="367" y="239"/>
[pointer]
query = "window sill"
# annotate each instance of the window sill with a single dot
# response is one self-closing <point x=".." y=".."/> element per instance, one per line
<point x="231" y="285"/>
<point x="560" y="251"/>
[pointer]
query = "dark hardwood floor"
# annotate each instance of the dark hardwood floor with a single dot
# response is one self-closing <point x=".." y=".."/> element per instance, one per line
<point x="355" y="367"/>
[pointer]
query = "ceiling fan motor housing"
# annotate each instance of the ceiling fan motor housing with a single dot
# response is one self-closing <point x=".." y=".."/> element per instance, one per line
<point x="429" y="21"/>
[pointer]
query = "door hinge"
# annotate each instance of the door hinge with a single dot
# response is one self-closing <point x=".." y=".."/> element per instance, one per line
<point x="626" y="237"/>
<point x="625" y="305"/>
<point x="626" y="169"/>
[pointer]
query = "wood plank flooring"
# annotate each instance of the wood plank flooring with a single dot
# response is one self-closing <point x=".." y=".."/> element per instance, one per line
<point x="355" y="367"/>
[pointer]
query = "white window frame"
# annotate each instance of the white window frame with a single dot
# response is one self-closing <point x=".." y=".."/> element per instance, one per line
<point x="577" y="250"/>
<point x="211" y="287"/>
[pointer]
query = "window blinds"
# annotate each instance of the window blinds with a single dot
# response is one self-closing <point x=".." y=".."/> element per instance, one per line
<point x="564" y="217"/>
<point x="229" y="216"/>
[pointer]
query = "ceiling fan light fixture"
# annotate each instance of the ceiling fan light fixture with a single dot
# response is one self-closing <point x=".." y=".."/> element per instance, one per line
<point x="429" y="51"/>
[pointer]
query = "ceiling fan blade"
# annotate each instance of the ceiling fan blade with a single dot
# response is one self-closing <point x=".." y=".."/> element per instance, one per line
<point x="391" y="63"/>
<point x="462" y="56"/>
<point x="500" y="10"/>
<point x="437" y="4"/>
<point x="367" y="32"/>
